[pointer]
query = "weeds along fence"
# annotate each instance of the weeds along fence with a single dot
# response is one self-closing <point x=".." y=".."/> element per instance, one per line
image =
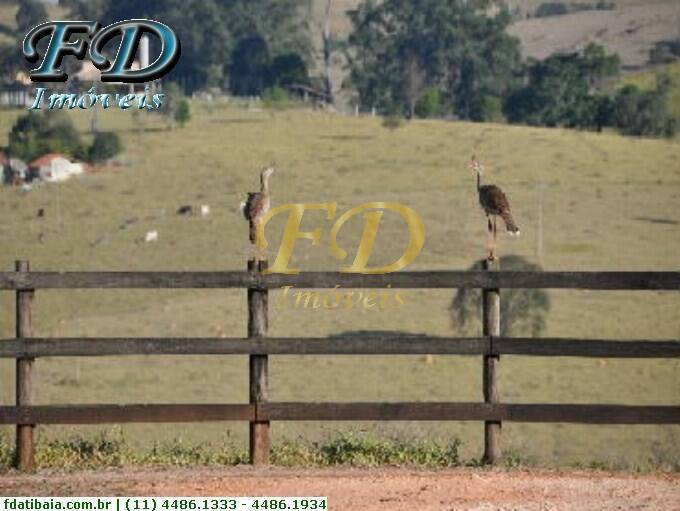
<point x="260" y="411"/>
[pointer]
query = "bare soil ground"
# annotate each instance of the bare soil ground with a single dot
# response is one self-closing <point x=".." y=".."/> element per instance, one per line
<point x="375" y="489"/>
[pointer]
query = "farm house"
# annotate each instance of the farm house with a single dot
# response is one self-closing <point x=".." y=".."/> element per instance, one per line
<point x="54" y="167"/>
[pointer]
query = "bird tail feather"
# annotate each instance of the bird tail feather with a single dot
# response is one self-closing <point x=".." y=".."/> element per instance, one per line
<point x="510" y="224"/>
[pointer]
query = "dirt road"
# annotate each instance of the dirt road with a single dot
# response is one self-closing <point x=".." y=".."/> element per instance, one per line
<point x="393" y="489"/>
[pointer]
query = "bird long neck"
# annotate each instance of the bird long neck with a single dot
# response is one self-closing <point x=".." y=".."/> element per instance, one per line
<point x="479" y="181"/>
<point x="264" y="184"/>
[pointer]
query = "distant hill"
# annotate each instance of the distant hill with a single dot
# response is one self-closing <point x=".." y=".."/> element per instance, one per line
<point x="629" y="30"/>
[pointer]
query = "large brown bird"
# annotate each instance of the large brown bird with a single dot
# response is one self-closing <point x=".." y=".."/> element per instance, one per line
<point x="494" y="203"/>
<point x="258" y="203"/>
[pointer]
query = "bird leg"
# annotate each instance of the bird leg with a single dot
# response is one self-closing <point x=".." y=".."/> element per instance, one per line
<point x="260" y="254"/>
<point x="257" y="253"/>
<point x="493" y="251"/>
<point x="492" y="239"/>
<point x="489" y="239"/>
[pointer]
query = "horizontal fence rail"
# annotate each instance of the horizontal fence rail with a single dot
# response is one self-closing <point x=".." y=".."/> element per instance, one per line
<point x="404" y="411"/>
<point x="102" y="414"/>
<point x="576" y="413"/>
<point x="630" y="281"/>
<point x="378" y="345"/>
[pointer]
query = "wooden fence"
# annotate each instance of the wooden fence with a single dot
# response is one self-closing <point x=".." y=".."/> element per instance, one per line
<point x="260" y="411"/>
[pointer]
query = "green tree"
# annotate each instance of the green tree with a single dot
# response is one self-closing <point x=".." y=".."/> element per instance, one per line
<point x="249" y="63"/>
<point x="201" y="28"/>
<point x="173" y="96"/>
<point x="211" y="29"/>
<point x="10" y="62"/>
<point x="400" y="48"/>
<point x="183" y="112"/>
<point x="286" y="70"/>
<point x="561" y="90"/>
<point x="105" y="146"/>
<point x="282" y="23"/>
<point x="37" y="133"/>
<point x="30" y="14"/>
<point x="644" y="113"/>
<point x="85" y="9"/>
<point x="523" y="311"/>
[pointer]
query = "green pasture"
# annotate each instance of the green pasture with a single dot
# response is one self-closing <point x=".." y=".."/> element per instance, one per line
<point x="584" y="201"/>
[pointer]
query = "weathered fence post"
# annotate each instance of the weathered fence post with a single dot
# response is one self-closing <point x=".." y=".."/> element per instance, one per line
<point x="258" y="322"/>
<point x="491" y="327"/>
<point x="24" y="454"/>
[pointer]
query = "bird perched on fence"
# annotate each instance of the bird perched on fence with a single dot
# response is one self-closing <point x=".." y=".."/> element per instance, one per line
<point x="258" y="203"/>
<point x="494" y="203"/>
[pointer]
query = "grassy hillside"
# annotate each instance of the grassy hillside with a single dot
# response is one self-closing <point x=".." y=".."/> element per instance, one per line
<point x="603" y="201"/>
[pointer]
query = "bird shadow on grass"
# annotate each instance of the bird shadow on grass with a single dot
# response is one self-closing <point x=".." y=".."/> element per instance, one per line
<point x="236" y="121"/>
<point x="372" y="334"/>
<point x="133" y="129"/>
<point x="347" y="138"/>
<point x="664" y="221"/>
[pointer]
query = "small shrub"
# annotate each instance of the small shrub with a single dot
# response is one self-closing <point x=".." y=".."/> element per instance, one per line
<point x="183" y="112"/>
<point x="551" y="9"/>
<point x="665" y="52"/>
<point x="110" y="449"/>
<point x="367" y="450"/>
<point x="512" y="458"/>
<point x="392" y="121"/>
<point x="107" y="449"/>
<point x="106" y="145"/>
<point x="6" y="452"/>
<point x="174" y="95"/>
<point x="491" y="109"/>
<point x="429" y="104"/>
<point x="561" y="8"/>
<point x="176" y="453"/>
<point x="276" y="97"/>
<point x="298" y="453"/>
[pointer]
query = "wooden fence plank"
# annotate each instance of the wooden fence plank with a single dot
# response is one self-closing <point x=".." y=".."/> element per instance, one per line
<point x="378" y="411"/>
<point x="599" y="348"/>
<point x="593" y="414"/>
<point x="612" y="280"/>
<point x="575" y="413"/>
<point x="370" y="345"/>
<point x="293" y="411"/>
<point x="374" y="345"/>
<point x="100" y="414"/>
<point x="126" y="280"/>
